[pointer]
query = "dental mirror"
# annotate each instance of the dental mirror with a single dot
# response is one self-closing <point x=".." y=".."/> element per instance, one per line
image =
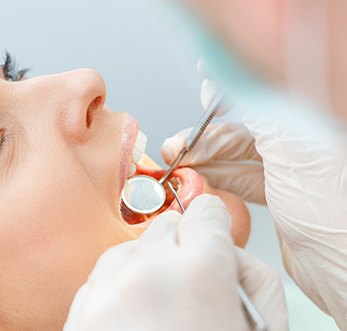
<point x="143" y="194"/>
<point x="146" y="195"/>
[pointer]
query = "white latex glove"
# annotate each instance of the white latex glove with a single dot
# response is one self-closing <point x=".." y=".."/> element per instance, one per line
<point x="180" y="275"/>
<point x="306" y="191"/>
<point x="225" y="154"/>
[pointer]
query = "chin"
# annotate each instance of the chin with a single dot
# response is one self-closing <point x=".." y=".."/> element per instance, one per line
<point x="189" y="184"/>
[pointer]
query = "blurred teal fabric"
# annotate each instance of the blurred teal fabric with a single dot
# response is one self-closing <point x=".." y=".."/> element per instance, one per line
<point x="303" y="314"/>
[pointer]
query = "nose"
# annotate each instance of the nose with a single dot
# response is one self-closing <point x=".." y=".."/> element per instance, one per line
<point x="84" y="95"/>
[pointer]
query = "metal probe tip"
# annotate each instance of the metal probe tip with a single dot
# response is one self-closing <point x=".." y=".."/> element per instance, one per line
<point x="176" y="196"/>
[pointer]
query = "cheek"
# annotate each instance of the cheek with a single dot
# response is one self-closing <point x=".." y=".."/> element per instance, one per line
<point x="52" y="202"/>
<point x="41" y="207"/>
<point x="102" y="157"/>
<point x="46" y="255"/>
<point x="52" y="230"/>
<point x="241" y="220"/>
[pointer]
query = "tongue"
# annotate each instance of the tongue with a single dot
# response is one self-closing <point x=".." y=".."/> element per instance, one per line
<point x="190" y="185"/>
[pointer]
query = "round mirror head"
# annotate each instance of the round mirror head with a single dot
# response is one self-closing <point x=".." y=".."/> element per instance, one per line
<point x="143" y="194"/>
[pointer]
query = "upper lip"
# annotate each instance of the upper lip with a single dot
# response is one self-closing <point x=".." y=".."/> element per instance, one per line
<point x="128" y="141"/>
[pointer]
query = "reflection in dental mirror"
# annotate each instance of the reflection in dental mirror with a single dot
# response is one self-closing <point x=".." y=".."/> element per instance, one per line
<point x="143" y="194"/>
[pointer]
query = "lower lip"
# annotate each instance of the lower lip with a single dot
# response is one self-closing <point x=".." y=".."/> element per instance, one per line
<point x="129" y="135"/>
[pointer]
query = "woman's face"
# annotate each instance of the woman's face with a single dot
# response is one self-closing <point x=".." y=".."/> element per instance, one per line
<point x="64" y="158"/>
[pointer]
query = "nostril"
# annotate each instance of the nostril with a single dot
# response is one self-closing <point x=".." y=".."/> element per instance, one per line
<point x="93" y="106"/>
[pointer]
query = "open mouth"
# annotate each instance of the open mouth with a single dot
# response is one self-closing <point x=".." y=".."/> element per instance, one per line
<point x="186" y="182"/>
<point x="188" y="185"/>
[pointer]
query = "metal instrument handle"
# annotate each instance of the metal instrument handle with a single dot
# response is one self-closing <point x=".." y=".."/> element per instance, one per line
<point x="204" y="121"/>
<point x="195" y="134"/>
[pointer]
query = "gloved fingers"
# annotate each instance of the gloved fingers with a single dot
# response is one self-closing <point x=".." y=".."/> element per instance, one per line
<point x="209" y="91"/>
<point x="295" y="144"/>
<point x="264" y="288"/>
<point x="161" y="234"/>
<point x="205" y="226"/>
<point x="226" y="141"/>
<point x="244" y="180"/>
<point x="226" y="156"/>
<point x="303" y="167"/>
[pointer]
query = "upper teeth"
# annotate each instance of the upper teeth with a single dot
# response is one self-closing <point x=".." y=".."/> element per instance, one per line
<point x="139" y="149"/>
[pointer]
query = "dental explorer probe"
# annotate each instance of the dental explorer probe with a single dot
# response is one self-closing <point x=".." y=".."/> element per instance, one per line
<point x="196" y="133"/>
<point x="254" y="317"/>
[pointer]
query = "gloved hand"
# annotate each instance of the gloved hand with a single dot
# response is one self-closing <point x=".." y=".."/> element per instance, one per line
<point x="306" y="191"/>
<point x="225" y="154"/>
<point x="180" y="275"/>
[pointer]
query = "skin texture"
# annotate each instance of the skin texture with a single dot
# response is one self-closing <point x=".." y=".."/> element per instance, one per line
<point x="257" y="33"/>
<point x="59" y="180"/>
<point x="60" y="185"/>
